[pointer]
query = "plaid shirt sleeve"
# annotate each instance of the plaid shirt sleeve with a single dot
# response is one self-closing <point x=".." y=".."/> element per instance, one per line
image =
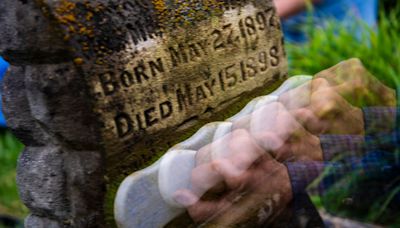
<point x="341" y="145"/>
<point x="364" y="155"/>
<point x="378" y="120"/>
<point x="303" y="173"/>
<point x="380" y="128"/>
<point x="333" y="146"/>
<point x="380" y="133"/>
<point x="372" y="164"/>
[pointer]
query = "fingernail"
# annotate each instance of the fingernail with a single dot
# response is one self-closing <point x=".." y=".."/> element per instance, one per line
<point x="227" y="169"/>
<point x="185" y="198"/>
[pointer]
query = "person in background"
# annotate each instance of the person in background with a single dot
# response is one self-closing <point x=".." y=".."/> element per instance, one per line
<point x="3" y="69"/>
<point x="295" y="17"/>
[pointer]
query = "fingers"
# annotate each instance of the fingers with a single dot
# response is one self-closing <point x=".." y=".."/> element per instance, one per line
<point x="360" y="87"/>
<point x="330" y="76"/>
<point x="273" y="124"/>
<point x="268" y="141"/>
<point x="267" y="180"/>
<point x="264" y="118"/>
<point x="319" y="84"/>
<point x="360" y="95"/>
<point x="234" y="154"/>
<point x="208" y="210"/>
<point x="203" y="155"/>
<point x="185" y="197"/>
<point x="237" y="142"/>
<point x="234" y="177"/>
<point x="241" y="185"/>
<point x="230" y="157"/>
<point x="200" y="210"/>
<point x="242" y="123"/>
<point x="326" y="102"/>
<point x="356" y="95"/>
<point x="204" y="177"/>
<point x="342" y="71"/>
<point x="309" y="121"/>
<point x="284" y="153"/>
<point x="297" y="98"/>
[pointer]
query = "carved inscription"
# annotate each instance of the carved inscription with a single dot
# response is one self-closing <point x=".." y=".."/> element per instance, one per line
<point x="177" y="77"/>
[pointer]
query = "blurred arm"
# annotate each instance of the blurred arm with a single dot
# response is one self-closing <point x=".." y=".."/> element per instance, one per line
<point x="287" y="8"/>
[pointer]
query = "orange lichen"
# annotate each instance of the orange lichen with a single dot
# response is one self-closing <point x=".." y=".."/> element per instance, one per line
<point x="71" y="29"/>
<point x="70" y="17"/>
<point x="67" y="37"/>
<point x="89" y="16"/>
<point x="64" y="12"/>
<point x="78" y="61"/>
<point x="75" y="22"/>
<point x="65" y="6"/>
<point x="82" y="30"/>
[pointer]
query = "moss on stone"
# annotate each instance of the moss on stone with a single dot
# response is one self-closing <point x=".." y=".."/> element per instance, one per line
<point x="178" y="13"/>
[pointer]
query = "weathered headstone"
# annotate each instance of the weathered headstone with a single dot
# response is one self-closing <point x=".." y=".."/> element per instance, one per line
<point x="146" y="198"/>
<point x="99" y="89"/>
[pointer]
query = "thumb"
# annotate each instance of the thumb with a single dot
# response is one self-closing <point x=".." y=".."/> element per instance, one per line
<point x="269" y="141"/>
<point x="185" y="198"/>
<point x="308" y="120"/>
<point x="319" y="83"/>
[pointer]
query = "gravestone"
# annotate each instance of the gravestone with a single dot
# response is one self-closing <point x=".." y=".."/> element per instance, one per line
<point x="146" y="198"/>
<point x="99" y="89"/>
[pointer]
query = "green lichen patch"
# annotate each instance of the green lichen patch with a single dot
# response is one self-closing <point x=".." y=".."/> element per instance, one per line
<point x="178" y="13"/>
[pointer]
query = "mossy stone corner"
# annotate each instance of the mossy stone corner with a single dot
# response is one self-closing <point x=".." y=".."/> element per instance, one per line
<point x="99" y="89"/>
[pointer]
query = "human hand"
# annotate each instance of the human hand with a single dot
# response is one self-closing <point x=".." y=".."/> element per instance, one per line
<point x="360" y="88"/>
<point x="328" y="112"/>
<point x="278" y="132"/>
<point x="251" y="179"/>
<point x="296" y="98"/>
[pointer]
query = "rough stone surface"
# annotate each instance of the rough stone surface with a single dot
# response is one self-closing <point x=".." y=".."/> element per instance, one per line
<point x="39" y="168"/>
<point x="17" y="109"/>
<point x="58" y="103"/>
<point x="98" y="89"/>
<point x="27" y="37"/>
<point x="36" y="221"/>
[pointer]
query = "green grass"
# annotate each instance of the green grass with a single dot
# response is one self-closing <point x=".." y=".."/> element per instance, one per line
<point x="10" y="148"/>
<point x="379" y="50"/>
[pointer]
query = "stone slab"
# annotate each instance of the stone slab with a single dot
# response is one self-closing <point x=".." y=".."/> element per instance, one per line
<point x="114" y="84"/>
<point x="173" y="172"/>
